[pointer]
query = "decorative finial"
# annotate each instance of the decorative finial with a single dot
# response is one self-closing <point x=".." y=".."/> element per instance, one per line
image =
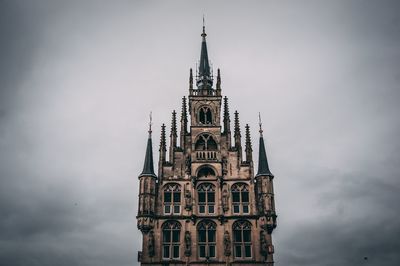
<point x="259" y="123"/>
<point x="191" y="79"/>
<point x="150" y="123"/>
<point x="204" y="29"/>
<point x="218" y="79"/>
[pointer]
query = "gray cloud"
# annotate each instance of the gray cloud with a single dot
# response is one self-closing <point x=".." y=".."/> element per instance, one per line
<point x="78" y="79"/>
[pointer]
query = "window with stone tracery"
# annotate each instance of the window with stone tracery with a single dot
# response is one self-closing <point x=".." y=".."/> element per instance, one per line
<point x="206" y="142"/>
<point x="172" y="199"/>
<point x="206" y="198"/>
<point x="242" y="239"/>
<point x="205" y="115"/>
<point x="206" y="239"/>
<point x="240" y="198"/>
<point x="171" y="239"/>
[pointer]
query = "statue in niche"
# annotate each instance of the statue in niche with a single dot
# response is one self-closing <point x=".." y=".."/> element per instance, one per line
<point x="265" y="186"/>
<point x="188" y="244"/>
<point x="188" y="162"/>
<point x="261" y="203"/>
<point x="224" y="166"/>
<point x="267" y="204"/>
<point x="225" y="199"/>
<point x="263" y="244"/>
<point x="150" y="244"/>
<point x="188" y="200"/>
<point x="268" y="198"/>
<point x="227" y="244"/>
<point x="194" y="180"/>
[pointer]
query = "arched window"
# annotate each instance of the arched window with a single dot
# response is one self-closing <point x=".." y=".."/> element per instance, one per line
<point x="206" y="239"/>
<point x="240" y="198"/>
<point x="206" y="198"/>
<point x="242" y="239"/>
<point x="205" y="116"/>
<point x="172" y="199"/>
<point x="171" y="239"/>
<point x="206" y="143"/>
<point x="205" y="171"/>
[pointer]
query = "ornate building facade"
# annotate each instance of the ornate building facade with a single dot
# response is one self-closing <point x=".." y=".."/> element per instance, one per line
<point x="206" y="205"/>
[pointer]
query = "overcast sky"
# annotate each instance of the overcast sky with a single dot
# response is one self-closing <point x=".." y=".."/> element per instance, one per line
<point x="78" y="79"/>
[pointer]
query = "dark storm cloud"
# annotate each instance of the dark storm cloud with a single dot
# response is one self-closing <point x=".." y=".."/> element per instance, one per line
<point x="78" y="79"/>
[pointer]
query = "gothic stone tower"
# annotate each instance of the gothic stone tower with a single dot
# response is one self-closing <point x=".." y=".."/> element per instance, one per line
<point x="206" y="206"/>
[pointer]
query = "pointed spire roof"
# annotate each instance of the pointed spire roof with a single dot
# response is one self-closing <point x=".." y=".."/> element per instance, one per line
<point x="148" y="167"/>
<point x="204" y="75"/>
<point x="263" y="168"/>
<point x="204" y="67"/>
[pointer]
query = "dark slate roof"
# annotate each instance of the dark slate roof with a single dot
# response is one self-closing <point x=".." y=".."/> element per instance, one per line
<point x="204" y="68"/>
<point x="148" y="168"/>
<point x="263" y="168"/>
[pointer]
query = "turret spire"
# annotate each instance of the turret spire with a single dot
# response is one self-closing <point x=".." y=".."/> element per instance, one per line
<point x="184" y="121"/>
<point x="163" y="144"/>
<point x="248" y="149"/>
<point x="263" y="168"/>
<point x="148" y="167"/>
<point x="173" y="137"/>
<point x="226" y="119"/>
<point x="237" y="136"/>
<point x="163" y="151"/>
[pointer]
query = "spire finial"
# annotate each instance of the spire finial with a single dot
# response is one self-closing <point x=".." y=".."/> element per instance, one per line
<point x="191" y="79"/>
<point x="259" y="123"/>
<point x="150" y="123"/>
<point x="204" y="29"/>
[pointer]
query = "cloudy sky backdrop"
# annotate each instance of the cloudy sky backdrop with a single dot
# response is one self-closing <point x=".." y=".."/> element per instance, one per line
<point x="78" y="79"/>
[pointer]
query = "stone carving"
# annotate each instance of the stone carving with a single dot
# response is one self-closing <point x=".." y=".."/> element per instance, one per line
<point x="150" y="244"/>
<point x="227" y="244"/>
<point x="261" y="203"/>
<point x="224" y="166"/>
<point x="263" y="244"/>
<point x="267" y="204"/>
<point x="194" y="180"/>
<point x="188" y="200"/>
<point x="188" y="244"/>
<point x="188" y="162"/>
<point x="225" y="199"/>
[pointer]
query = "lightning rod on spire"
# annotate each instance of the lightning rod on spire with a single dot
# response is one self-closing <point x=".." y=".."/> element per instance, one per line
<point x="150" y="123"/>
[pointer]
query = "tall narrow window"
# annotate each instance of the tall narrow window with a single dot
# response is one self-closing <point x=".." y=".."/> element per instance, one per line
<point x="205" y="116"/>
<point x="171" y="239"/>
<point x="172" y="199"/>
<point x="206" y="198"/>
<point x="206" y="239"/>
<point x="242" y="239"/>
<point x="240" y="198"/>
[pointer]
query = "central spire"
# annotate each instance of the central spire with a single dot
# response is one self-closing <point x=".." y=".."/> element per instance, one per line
<point x="204" y="79"/>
